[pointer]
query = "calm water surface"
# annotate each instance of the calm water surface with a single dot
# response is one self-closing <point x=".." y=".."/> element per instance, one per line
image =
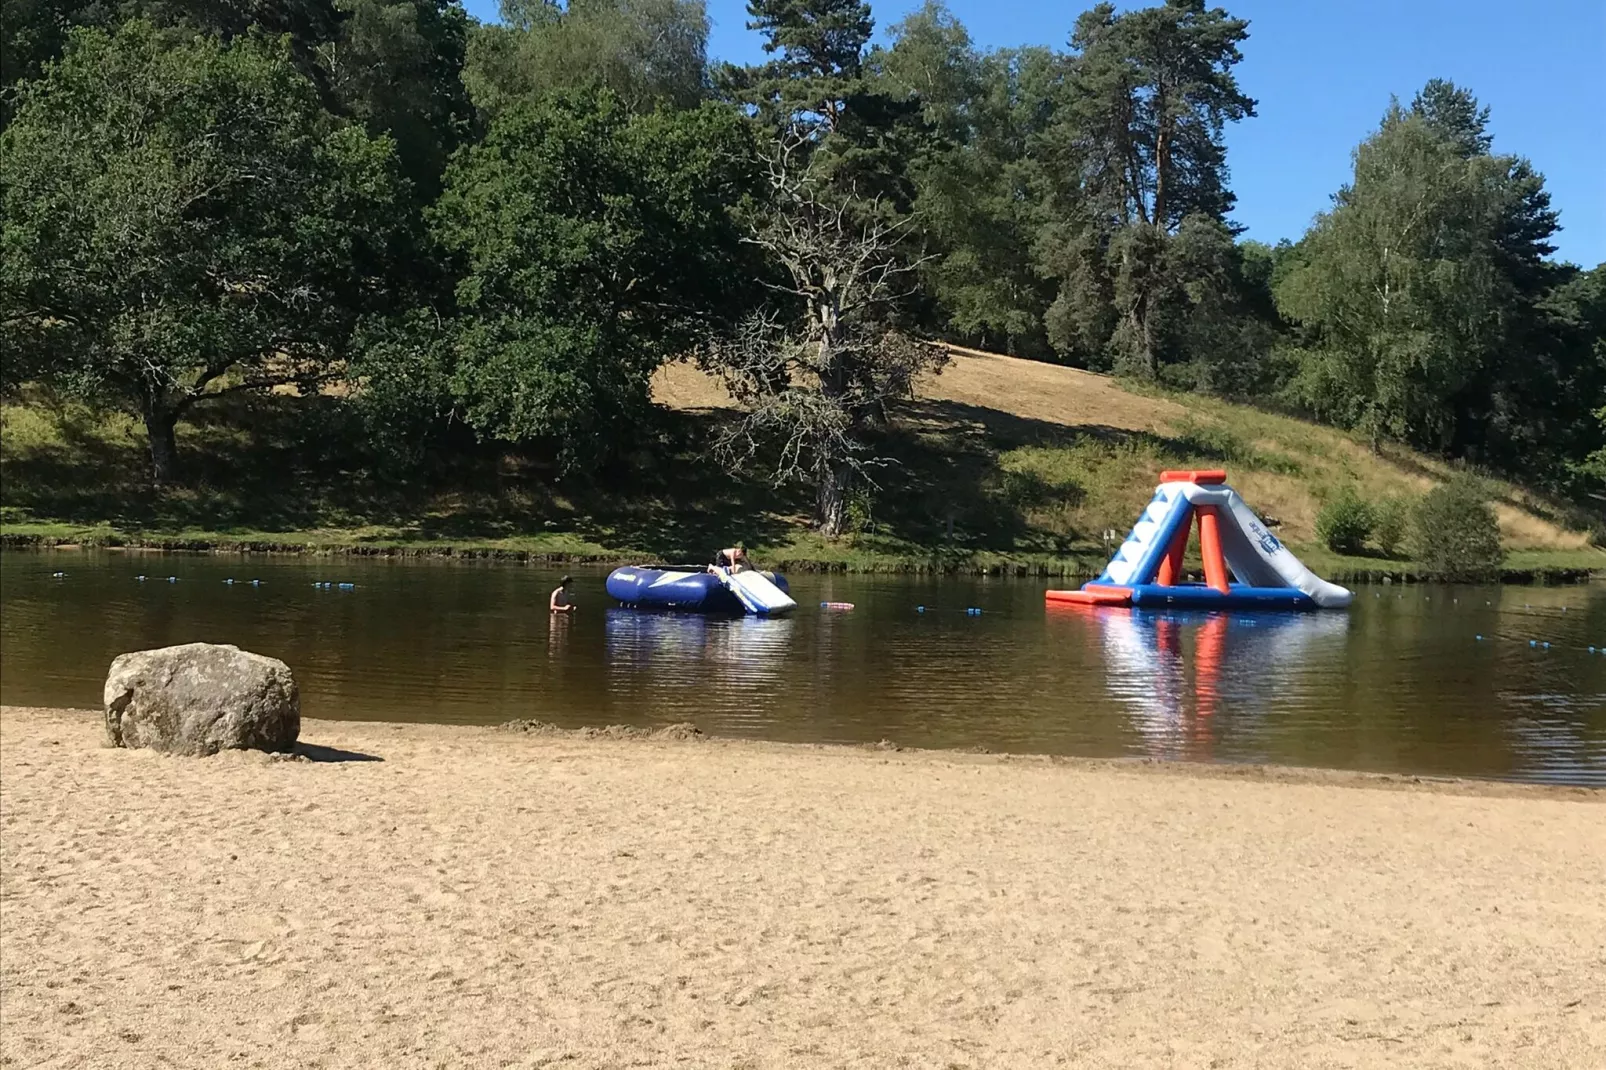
<point x="1398" y="684"/>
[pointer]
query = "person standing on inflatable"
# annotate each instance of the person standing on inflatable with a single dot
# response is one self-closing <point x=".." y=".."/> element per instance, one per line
<point x="734" y="558"/>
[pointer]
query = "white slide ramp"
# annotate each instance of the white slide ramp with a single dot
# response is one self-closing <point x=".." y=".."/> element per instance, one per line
<point x="757" y="593"/>
<point x="1254" y="554"/>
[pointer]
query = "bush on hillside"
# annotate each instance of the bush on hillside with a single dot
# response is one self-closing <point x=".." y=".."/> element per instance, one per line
<point x="1455" y="533"/>
<point x="1344" y="522"/>
<point x="1390" y="518"/>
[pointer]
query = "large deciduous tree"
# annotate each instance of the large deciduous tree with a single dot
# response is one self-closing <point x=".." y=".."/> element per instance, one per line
<point x="1429" y="307"/>
<point x="185" y="220"/>
<point x="590" y="246"/>
<point x="647" y="53"/>
<point x="397" y="66"/>
<point x="977" y="185"/>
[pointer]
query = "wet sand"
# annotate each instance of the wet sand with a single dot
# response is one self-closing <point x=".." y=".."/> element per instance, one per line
<point x="487" y="898"/>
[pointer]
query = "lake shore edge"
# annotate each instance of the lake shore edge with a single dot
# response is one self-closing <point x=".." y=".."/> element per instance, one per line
<point x="317" y="732"/>
<point x="410" y="894"/>
<point x="1550" y="568"/>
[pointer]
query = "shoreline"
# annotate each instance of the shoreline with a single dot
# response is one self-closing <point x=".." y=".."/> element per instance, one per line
<point x="685" y="734"/>
<point x="967" y="564"/>
<point x="405" y="895"/>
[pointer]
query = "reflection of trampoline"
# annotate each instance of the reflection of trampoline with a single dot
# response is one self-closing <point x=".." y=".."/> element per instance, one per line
<point x="694" y="654"/>
<point x="1238" y="660"/>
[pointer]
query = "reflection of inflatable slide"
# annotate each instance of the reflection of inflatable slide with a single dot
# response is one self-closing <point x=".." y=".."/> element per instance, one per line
<point x="1238" y="661"/>
<point x="1245" y="565"/>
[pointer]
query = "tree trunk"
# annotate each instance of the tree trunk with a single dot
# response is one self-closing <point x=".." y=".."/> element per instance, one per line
<point x="159" y="424"/>
<point x="831" y="501"/>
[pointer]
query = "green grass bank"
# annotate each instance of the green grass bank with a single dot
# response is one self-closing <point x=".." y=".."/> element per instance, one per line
<point x="999" y="466"/>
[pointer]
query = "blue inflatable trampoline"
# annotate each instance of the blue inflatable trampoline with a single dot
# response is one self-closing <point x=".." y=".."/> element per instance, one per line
<point x="690" y="588"/>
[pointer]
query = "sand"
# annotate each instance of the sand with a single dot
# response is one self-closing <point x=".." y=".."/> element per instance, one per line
<point x="486" y="898"/>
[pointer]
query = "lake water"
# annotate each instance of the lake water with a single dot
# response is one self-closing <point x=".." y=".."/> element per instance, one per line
<point x="1398" y="684"/>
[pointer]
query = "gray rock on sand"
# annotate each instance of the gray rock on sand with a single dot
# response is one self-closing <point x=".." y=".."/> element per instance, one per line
<point x="201" y="698"/>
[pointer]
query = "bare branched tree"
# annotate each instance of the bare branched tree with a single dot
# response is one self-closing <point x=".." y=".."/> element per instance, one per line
<point x="815" y="379"/>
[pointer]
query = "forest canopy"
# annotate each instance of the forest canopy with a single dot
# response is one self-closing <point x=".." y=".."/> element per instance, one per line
<point x="497" y="233"/>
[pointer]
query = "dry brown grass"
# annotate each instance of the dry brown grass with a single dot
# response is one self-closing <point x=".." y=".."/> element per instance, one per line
<point x="1082" y="400"/>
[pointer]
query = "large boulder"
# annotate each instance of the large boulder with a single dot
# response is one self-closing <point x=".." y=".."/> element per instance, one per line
<point x="201" y="698"/>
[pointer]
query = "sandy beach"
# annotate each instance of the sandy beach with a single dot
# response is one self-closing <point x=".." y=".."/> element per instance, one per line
<point x="490" y="898"/>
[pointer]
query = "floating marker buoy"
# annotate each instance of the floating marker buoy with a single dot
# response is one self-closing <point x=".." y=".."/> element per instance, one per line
<point x="58" y="575"/>
<point x="347" y="586"/>
<point x="1532" y="643"/>
<point x="230" y="580"/>
<point x="1545" y="645"/>
<point x="172" y="579"/>
<point x="920" y="609"/>
<point x="836" y="605"/>
<point x="256" y="583"/>
<point x="1479" y="638"/>
<point x="141" y="579"/>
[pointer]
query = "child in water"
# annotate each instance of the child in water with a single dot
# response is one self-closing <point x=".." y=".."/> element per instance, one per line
<point x="559" y="602"/>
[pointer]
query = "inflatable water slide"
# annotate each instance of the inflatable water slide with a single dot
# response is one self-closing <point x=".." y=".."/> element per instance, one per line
<point x="1245" y="565"/>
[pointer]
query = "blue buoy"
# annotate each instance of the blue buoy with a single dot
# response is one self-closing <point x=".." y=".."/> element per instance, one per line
<point x="1532" y="643"/>
<point x="256" y="583"/>
<point x="347" y="586"/>
<point x="1545" y="645"/>
<point x="141" y="579"/>
<point x="172" y="579"/>
<point x="58" y="575"/>
<point x="230" y="580"/>
<point x="972" y="611"/>
<point x="1479" y="638"/>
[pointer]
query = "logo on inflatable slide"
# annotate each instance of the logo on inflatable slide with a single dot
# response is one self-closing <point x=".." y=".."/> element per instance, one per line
<point x="1268" y="541"/>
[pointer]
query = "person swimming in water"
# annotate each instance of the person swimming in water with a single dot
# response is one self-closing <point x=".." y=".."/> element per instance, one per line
<point x="559" y="602"/>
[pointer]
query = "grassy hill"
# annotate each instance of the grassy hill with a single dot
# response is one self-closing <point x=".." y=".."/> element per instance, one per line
<point x="997" y="462"/>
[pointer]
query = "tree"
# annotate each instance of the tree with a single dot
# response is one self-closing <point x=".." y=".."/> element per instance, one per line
<point x="815" y="382"/>
<point x="185" y="222"/>
<point x="397" y="66"/>
<point x="1429" y="308"/>
<point x="1399" y="286"/>
<point x="1138" y="147"/>
<point x="646" y="53"/>
<point x="590" y="245"/>
<point x="975" y="180"/>
<point x="1455" y="532"/>
<point x="818" y="67"/>
<point x="1150" y="98"/>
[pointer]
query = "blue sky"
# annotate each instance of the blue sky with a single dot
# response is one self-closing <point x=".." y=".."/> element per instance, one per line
<point x="1323" y="71"/>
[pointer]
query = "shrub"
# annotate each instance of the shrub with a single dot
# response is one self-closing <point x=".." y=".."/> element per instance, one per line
<point x="1344" y="522"/>
<point x="1455" y="533"/>
<point x="1390" y="517"/>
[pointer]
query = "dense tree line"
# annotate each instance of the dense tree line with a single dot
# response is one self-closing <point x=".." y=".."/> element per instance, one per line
<point x="507" y="228"/>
